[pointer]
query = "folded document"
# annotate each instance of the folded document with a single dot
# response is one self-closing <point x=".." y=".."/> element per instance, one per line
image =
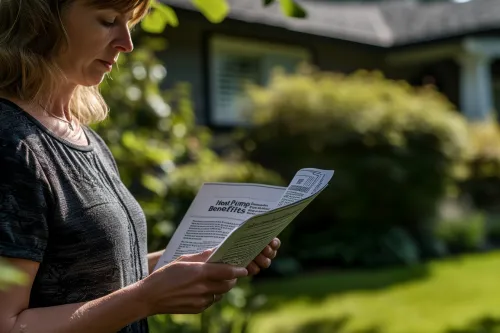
<point x="239" y="220"/>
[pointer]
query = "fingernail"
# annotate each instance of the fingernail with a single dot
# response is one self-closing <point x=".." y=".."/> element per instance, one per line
<point x="275" y="243"/>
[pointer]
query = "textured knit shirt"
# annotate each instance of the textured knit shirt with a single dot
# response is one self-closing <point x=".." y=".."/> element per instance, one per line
<point x="65" y="207"/>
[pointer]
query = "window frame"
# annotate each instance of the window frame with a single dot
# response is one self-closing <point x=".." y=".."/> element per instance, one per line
<point x="222" y="45"/>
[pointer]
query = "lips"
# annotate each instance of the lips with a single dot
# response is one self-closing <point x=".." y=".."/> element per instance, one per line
<point x="107" y="64"/>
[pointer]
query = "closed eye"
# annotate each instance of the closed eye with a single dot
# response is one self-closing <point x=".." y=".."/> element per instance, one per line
<point x="107" y="24"/>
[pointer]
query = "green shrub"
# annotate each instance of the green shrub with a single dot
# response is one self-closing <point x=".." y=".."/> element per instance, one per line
<point x="493" y="229"/>
<point x="376" y="249"/>
<point x="396" y="149"/>
<point x="483" y="181"/>
<point x="463" y="234"/>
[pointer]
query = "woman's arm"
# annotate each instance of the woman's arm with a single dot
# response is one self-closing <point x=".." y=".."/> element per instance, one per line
<point x="187" y="286"/>
<point x="106" y="314"/>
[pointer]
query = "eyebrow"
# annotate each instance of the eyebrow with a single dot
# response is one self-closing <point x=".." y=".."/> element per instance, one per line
<point x="128" y="15"/>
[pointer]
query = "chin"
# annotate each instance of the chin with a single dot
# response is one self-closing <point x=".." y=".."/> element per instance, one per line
<point x="92" y="81"/>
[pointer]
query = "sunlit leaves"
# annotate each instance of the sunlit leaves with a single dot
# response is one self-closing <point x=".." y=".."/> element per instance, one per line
<point x="160" y="16"/>
<point x="293" y="9"/>
<point x="214" y="10"/>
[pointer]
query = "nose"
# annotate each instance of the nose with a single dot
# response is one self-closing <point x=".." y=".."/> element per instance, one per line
<point x="123" y="41"/>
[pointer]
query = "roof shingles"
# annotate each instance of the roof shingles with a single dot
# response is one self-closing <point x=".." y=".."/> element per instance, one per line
<point x="381" y="24"/>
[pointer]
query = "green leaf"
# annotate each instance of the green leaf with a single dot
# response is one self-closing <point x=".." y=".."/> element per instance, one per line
<point x="160" y="16"/>
<point x="154" y="184"/>
<point x="267" y="2"/>
<point x="169" y="13"/>
<point x="214" y="10"/>
<point x="293" y="9"/>
<point x="155" y="22"/>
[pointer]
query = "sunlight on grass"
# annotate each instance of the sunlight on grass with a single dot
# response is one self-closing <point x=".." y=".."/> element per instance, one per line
<point x="434" y="298"/>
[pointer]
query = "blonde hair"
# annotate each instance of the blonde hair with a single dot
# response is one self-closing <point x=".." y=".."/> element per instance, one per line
<point x="31" y="34"/>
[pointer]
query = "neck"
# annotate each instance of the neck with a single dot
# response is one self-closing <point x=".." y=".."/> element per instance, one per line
<point x="58" y="105"/>
<point x="55" y="105"/>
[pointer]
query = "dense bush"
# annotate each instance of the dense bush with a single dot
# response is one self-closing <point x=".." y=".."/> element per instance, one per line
<point x="396" y="150"/>
<point x="483" y="182"/>
<point x="463" y="234"/>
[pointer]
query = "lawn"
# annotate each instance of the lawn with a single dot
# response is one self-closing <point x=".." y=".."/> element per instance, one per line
<point x="460" y="295"/>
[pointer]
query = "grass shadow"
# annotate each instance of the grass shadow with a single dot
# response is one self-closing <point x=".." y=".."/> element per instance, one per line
<point x="319" y="285"/>
<point x="487" y="324"/>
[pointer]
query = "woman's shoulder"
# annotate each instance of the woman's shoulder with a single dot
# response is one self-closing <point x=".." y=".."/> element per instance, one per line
<point x="15" y="127"/>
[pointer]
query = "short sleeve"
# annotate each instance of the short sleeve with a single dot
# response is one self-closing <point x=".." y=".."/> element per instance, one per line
<point x="23" y="205"/>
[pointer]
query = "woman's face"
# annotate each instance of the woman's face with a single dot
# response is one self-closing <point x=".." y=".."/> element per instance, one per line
<point x="95" y="39"/>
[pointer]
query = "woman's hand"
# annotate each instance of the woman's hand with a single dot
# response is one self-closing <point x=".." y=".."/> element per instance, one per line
<point x="188" y="285"/>
<point x="263" y="260"/>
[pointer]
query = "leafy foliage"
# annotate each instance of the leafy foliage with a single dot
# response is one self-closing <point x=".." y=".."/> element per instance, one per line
<point x="215" y="11"/>
<point x="396" y="150"/>
<point x="464" y="234"/>
<point x="483" y="181"/>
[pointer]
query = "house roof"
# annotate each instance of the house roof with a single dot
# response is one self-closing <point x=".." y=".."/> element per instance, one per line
<point x="386" y="24"/>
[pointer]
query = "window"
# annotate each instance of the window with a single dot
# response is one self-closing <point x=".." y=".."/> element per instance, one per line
<point x="236" y="61"/>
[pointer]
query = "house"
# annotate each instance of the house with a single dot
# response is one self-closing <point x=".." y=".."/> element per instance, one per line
<point x="455" y="45"/>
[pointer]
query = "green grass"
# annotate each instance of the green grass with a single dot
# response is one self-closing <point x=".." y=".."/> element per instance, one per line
<point x="460" y="295"/>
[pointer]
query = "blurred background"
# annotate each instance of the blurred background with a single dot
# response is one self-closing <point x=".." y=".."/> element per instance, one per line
<point x="399" y="97"/>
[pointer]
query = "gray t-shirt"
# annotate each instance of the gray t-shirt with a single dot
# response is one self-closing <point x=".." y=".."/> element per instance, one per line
<point x="64" y="206"/>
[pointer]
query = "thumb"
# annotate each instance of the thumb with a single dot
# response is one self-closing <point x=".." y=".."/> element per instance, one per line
<point x="197" y="257"/>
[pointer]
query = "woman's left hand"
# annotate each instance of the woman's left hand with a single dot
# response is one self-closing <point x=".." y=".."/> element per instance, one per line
<point x="263" y="260"/>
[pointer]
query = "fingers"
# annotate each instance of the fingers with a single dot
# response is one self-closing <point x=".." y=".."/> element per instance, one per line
<point x="262" y="261"/>
<point x="269" y="252"/>
<point x="212" y="271"/>
<point x="253" y="268"/>
<point x="216" y="287"/>
<point x="275" y="243"/>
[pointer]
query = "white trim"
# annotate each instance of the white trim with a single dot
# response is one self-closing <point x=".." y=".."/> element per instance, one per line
<point x="421" y="54"/>
<point x="221" y="45"/>
<point x="476" y="91"/>
<point x="488" y="46"/>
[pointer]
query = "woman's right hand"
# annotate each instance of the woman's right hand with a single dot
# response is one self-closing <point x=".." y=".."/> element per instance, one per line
<point x="188" y="285"/>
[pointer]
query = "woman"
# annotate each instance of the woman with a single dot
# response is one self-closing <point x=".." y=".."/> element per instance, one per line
<point x="66" y="219"/>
